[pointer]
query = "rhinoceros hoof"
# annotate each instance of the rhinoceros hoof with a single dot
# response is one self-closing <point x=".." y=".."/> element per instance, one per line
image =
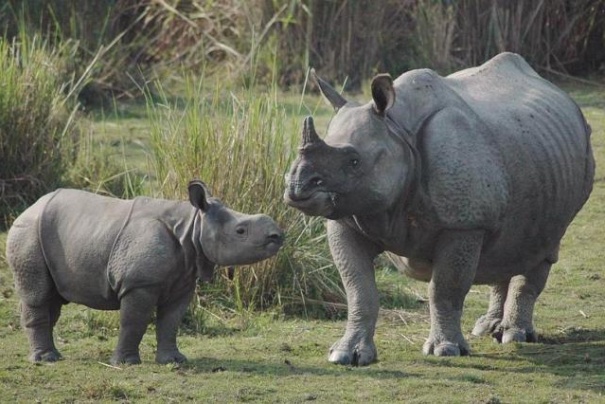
<point x="45" y="356"/>
<point x="170" y="357"/>
<point x="358" y="355"/>
<point x="486" y="325"/>
<point x="516" y="335"/>
<point x="128" y="359"/>
<point x="445" y="348"/>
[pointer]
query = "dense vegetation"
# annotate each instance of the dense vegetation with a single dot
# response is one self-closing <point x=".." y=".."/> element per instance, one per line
<point x="277" y="40"/>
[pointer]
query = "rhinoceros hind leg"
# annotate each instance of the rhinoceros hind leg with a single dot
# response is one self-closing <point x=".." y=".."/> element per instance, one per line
<point x="489" y="323"/>
<point x="136" y="308"/>
<point x="523" y="290"/>
<point x="169" y="317"/>
<point x="38" y="322"/>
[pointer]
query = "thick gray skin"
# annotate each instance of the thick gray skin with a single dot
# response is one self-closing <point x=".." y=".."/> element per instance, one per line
<point x="137" y="256"/>
<point x="495" y="164"/>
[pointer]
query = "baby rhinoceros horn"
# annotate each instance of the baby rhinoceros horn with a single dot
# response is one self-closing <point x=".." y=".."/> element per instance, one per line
<point x="309" y="136"/>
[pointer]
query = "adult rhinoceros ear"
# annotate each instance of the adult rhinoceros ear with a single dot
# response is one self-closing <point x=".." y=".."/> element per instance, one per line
<point x="337" y="100"/>
<point x="383" y="93"/>
<point x="197" y="194"/>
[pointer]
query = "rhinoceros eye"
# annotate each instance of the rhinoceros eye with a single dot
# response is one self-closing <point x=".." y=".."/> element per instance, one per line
<point x="354" y="162"/>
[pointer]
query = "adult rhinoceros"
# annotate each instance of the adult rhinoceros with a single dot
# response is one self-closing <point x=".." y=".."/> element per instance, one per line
<point x="473" y="178"/>
<point x="139" y="256"/>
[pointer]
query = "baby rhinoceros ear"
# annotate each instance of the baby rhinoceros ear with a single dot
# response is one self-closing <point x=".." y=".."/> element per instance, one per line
<point x="197" y="194"/>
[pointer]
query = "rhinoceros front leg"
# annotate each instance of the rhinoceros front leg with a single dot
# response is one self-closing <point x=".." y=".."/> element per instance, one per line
<point x="136" y="308"/>
<point x="169" y="317"/>
<point x="523" y="291"/>
<point x="489" y="323"/>
<point x="454" y="266"/>
<point x="353" y="256"/>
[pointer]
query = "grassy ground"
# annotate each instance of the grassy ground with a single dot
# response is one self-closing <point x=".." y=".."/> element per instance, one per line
<point x="268" y="358"/>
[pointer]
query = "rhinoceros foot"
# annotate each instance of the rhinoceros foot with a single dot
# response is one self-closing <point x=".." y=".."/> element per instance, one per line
<point x="45" y="356"/>
<point x="350" y="351"/>
<point x="486" y="325"/>
<point x="502" y="333"/>
<point x="128" y="359"/>
<point x="164" y="357"/>
<point x="445" y="348"/>
<point x="505" y="335"/>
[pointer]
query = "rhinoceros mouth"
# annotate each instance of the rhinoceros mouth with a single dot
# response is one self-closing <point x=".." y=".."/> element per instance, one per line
<point x="275" y="240"/>
<point x="319" y="203"/>
<point x="272" y="247"/>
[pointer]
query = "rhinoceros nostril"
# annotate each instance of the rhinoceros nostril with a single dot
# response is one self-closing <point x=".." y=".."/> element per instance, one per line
<point x="275" y="237"/>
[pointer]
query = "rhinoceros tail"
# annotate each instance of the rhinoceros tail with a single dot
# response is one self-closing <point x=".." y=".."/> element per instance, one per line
<point x="589" y="167"/>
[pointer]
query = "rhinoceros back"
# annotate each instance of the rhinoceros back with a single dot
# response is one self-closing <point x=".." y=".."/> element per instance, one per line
<point x="77" y="231"/>
<point x="534" y="123"/>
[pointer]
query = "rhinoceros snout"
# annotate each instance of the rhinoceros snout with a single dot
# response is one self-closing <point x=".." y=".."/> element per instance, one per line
<point x="299" y="190"/>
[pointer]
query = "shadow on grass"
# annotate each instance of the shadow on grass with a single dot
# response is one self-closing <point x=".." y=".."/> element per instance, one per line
<point x="577" y="356"/>
<point x="285" y="368"/>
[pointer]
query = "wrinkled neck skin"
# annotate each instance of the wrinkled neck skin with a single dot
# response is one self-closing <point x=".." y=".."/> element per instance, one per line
<point x="184" y="222"/>
<point x="204" y="263"/>
<point x="389" y="227"/>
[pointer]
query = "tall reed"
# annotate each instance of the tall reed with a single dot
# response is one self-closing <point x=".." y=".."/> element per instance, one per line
<point x="241" y="145"/>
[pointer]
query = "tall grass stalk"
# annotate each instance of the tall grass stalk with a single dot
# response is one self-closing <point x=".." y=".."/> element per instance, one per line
<point x="434" y="34"/>
<point x="241" y="145"/>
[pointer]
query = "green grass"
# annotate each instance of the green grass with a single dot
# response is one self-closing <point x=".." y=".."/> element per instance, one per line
<point x="248" y="356"/>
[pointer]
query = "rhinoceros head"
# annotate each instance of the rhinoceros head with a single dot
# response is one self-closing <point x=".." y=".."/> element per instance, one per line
<point x="359" y="168"/>
<point x="228" y="237"/>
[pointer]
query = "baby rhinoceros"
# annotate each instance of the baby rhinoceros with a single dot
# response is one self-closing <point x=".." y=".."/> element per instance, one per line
<point x="135" y="256"/>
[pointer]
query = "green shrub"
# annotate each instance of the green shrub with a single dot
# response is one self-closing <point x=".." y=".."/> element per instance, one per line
<point x="241" y="145"/>
<point x="38" y="123"/>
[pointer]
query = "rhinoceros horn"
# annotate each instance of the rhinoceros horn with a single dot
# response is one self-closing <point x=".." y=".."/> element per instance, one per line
<point x="309" y="136"/>
<point x="337" y="100"/>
